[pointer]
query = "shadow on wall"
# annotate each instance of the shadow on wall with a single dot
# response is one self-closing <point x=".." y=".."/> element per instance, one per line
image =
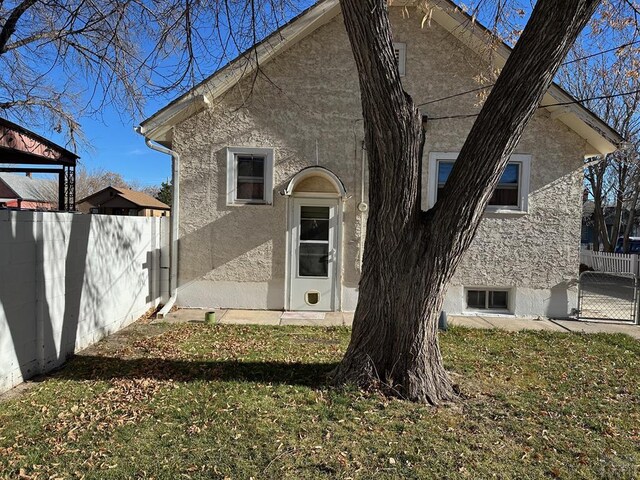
<point x="233" y="241"/>
<point x="237" y="237"/>
<point x="559" y="301"/>
<point x="32" y="331"/>
<point x="71" y="277"/>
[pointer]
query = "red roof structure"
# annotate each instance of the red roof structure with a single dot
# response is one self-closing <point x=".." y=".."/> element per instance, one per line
<point x="21" y="147"/>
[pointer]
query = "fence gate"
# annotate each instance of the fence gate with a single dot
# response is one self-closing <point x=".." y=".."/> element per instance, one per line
<point x="608" y="296"/>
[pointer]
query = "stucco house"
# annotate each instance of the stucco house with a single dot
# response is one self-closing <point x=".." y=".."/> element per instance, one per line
<point x="273" y="177"/>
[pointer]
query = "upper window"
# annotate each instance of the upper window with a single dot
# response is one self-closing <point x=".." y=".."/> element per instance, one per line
<point x="511" y="193"/>
<point x="400" y="51"/>
<point x="249" y="175"/>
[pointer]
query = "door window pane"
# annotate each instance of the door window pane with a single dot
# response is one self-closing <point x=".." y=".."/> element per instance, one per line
<point x="317" y="230"/>
<point x="313" y="260"/>
<point x="314" y="212"/>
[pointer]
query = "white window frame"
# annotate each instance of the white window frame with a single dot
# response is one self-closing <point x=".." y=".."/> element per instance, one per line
<point x="232" y="174"/>
<point x="524" y="160"/>
<point x="510" y="299"/>
<point x="401" y="49"/>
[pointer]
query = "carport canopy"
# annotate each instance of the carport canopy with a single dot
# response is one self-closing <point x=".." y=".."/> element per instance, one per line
<point x="32" y="153"/>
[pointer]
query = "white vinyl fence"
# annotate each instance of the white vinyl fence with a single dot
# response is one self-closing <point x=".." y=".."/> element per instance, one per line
<point x="611" y="262"/>
<point x="67" y="280"/>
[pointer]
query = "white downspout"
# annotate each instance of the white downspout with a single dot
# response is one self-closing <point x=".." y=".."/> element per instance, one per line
<point x="173" y="219"/>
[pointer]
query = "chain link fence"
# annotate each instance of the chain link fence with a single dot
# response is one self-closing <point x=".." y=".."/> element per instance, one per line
<point x="608" y="297"/>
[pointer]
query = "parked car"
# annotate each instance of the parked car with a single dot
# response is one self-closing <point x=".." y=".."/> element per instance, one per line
<point x="634" y="245"/>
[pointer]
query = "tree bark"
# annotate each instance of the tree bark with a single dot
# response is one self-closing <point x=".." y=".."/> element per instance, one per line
<point x="411" y="255"/>
<point x="632" y="214"/>
<point x="11" y="23"/>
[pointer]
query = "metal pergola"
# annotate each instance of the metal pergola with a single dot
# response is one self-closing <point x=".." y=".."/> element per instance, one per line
<point x="36" y="154"/>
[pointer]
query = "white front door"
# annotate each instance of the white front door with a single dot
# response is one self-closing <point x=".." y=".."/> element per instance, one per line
<point x="313" y="262"/>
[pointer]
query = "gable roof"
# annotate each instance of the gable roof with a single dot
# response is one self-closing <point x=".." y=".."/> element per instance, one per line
<point x="139" y="199"/>
<point x="600" y="137"/>
<point x="30" y="189"/>
<point x="142" y="199"/>
<point x="19" y="145"/>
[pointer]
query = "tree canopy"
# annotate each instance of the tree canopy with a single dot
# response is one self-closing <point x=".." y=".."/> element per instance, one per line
<point x="62" y="60"/>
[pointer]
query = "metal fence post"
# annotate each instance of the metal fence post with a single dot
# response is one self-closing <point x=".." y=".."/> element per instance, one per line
<point x="636" y="295"/>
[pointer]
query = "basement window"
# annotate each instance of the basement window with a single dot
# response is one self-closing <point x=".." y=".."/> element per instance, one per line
<point x="400" y="51"/>
<point x="487" y="299"/>
<point x="249" y="175"/>
<point x="511" y="194"/>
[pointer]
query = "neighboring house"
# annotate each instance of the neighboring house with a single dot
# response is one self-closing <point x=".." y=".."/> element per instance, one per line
<point x="273" y="180"/>
<point x="23" y="192"/>
<point x="589" y="235"/>
<point x="122" y="201"/>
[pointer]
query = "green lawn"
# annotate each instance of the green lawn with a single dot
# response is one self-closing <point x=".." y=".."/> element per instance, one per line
<point x="240" y="402"/>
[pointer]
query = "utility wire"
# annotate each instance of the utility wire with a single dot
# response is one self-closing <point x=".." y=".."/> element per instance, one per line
<point x="478" y="89"/>
<point x="586" y="57"/>
<point x="559" y="104"/>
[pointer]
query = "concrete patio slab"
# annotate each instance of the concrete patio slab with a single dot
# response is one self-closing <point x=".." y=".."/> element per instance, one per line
<point x="328" y="319"/>
<point x="348" y="318"/>
<point x="303" y="315"/>
<point x="515" y="324"/>
<point x="251" y="317"/>
<point x="191" y="315"/>
<point x="304" y="322"/>
<point x="471" y="322"/>
<point x="599" y="327"/>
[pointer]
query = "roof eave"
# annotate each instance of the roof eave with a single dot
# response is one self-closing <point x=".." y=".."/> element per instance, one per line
<point x="601" y="138"/>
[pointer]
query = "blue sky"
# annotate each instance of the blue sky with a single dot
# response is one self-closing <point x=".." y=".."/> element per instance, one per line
<point x="114" y="145"/>
<point x="118" y="148"/>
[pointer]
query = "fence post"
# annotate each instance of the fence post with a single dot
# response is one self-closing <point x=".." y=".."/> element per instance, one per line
<point x="634" y="264"/>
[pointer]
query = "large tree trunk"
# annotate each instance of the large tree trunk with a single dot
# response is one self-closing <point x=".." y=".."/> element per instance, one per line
<point x="632" y="214"/>
<point x="411" y="255"/>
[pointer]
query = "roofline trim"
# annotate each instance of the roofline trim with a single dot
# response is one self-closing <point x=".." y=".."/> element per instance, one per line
<point x="160" y="123"/>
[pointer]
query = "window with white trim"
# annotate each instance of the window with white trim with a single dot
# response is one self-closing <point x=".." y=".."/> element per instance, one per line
<point x="400" y="51"/>
<point x="249" y="175"/>
<point x="487" y="299"/>
<point x="511" y="193"/>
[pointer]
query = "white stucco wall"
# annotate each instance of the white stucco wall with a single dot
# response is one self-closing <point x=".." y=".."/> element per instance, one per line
<point x="234" y="256"/>
<point x="67" y="280"/>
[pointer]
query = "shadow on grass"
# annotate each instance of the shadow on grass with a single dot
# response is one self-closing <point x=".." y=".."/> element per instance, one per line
<point x="111" y="368"/>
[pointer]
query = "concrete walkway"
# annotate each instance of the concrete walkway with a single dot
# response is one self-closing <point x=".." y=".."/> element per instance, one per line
<point x="330" y="319"/>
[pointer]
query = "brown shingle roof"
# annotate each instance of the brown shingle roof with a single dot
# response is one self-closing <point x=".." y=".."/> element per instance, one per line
<point x="141" y="199"/>
<point x="138" y="198"/>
